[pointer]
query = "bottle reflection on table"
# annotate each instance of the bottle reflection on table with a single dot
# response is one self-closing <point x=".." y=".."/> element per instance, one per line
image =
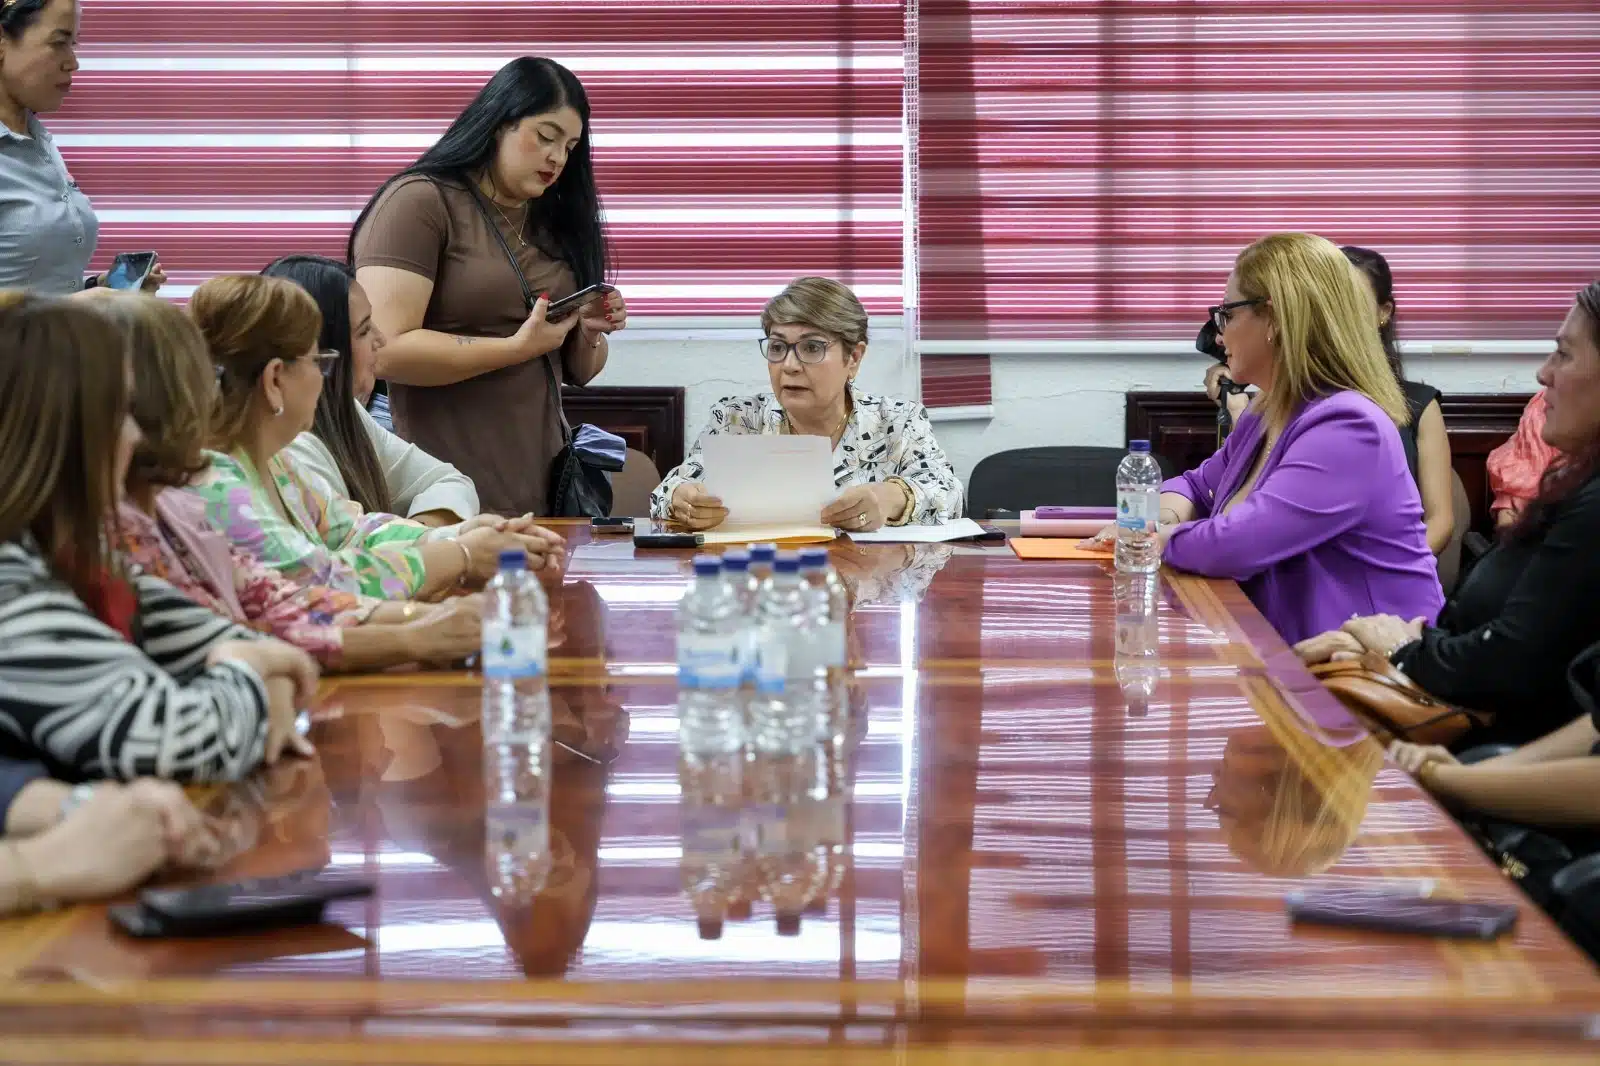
<point x="516" y="778"/>
<point x="768" y="827"/>
<point x="1138" y="642"/>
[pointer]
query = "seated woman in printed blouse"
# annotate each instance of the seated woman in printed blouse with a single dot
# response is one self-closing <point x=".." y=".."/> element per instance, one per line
<point x="162" y="530"/>
<point x="890" y="469"/>
<point x="263" y="334"/>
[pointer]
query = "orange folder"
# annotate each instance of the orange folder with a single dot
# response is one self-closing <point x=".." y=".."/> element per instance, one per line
<point x="1055" y="548"/>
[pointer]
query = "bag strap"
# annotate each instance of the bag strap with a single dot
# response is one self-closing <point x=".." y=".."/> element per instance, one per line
<point x="528" y="301"/>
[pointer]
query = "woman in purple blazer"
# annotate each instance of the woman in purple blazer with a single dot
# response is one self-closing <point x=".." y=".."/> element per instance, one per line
<point x="1309" y="504"/>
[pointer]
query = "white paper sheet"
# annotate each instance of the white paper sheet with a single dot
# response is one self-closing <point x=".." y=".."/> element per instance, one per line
<point x="957" y="530"/>
<point x="770" y="480"/>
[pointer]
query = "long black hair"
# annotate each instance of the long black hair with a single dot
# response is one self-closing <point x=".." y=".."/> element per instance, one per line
<point x="564" y="222"/>
<point x="1376" y="268"/>
<point x="337" y="424"/>
<point x="15" y="18"/>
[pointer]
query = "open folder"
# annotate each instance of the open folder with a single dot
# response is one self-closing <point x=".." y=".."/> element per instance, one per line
<point x="773" y="485"/>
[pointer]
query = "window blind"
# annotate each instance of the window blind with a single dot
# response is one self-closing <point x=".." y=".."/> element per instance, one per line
<point x="737" y="144"/>
<point x="1088" y="169"/>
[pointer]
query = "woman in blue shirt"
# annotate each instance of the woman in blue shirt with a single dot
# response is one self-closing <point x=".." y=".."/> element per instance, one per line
<point x="48" y="229"/>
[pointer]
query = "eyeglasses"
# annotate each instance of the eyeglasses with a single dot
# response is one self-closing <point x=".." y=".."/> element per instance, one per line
<point x="1222" y="312"/>
<point x="810" y="350"/>
<point x="326" y="359"/>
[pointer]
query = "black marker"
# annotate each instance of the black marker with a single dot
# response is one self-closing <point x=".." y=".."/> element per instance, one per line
<point x="668" y="540"/>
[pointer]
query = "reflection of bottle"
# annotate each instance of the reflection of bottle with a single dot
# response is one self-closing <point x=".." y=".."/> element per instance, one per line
<point x="830" y="609"/>
<point x="825" y="816"/>
<point x="790" y="872"/>
<point x="1138" y="644"/>
<point x="516" y="778"/>
<point x="710" y="806"/>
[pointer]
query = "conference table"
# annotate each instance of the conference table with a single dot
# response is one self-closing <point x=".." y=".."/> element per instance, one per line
<point x="1059" y="822"/>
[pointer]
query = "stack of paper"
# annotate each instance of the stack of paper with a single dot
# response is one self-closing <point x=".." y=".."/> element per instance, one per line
<point x="774" y="487"/>
<point x="960" y="529"/>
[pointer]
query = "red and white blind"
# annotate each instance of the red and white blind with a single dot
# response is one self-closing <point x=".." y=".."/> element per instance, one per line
<point x="1088" y="169"/>
<point x="737" y="144"/>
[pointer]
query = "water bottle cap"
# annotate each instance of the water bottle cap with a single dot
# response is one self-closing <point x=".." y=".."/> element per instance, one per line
<point x="787" y="563"/>
<point x="812" y="557"/>
<point x="763" y="553"/>
<point x="513" y="559"/>
<point x="1138" y="445"/>
<point x="707" y="566"/>
<point x="735" y="553"/>
<point x="736" y="562"/>
<point x="788" y="925"/>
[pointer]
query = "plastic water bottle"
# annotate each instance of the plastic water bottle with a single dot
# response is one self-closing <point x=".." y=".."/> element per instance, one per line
<point x="762" y="557"/>
<point x="830" y="608"/>
<point x="1138" y="510"/>
<point x="783" y="709"/>
<point x="516" y="730"/>
<point x="710" y="635"/>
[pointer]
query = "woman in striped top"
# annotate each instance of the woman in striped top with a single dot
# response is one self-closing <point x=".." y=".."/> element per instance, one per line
<point x="104" y="674"/>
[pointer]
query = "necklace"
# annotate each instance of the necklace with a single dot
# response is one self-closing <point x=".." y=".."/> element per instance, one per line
<point x="516" y="230"/>
<point x="836" y="436"/>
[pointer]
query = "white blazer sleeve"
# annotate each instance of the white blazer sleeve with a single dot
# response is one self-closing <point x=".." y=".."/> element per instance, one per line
<point x="417" y="481"/>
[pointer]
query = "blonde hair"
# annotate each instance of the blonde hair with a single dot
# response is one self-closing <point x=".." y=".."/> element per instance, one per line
<point x="1327" y="325"/>
<point x="820" y="302"/>
<point x="248" y="321"/>
<point x="174" y="388"/>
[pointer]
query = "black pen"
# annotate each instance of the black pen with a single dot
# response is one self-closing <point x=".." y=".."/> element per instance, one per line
<point x="668" y="540"/>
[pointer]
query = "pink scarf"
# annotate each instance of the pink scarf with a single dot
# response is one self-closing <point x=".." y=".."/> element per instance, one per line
<point x="178" y="547"/>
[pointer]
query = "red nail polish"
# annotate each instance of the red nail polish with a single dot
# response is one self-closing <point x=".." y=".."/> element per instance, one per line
<point x="544" y="296"/>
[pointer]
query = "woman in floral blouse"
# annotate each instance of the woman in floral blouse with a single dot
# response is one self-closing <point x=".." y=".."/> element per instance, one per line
<point x="162" y="529"/>
<point x="887" y="465"/>
<point x="263" y="337"/>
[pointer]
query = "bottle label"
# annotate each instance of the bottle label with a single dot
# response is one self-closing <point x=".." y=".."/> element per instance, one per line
<point x="772" y="663"/>
<point x="1138" y="510"/>
<point x="512" y="652"/>
<point x="708" y="660"/>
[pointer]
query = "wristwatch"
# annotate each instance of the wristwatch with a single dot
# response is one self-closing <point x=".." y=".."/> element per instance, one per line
<point x="75" y="798"/>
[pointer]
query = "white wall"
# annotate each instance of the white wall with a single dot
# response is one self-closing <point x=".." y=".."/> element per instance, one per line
<point x="1038" y="399"/>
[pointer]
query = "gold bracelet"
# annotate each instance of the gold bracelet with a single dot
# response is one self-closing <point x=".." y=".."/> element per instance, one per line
<point x="27" y="891"/>
<point x="408" y="610"/>
<point x="466" y="563"/>
<point x="911" y="500"/>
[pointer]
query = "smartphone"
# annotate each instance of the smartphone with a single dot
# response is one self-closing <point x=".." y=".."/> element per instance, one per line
<point x="563" y="307"/>
<point x="129" y="269"/>
<point x="1393" y="912"/>
<point x="611" y="525"/>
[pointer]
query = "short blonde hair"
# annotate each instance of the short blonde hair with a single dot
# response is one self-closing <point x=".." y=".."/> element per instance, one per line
<point x="820" y="302"/>
<point x="174" y="388"/>
<point x="1327" y="325"/>
<point x="248" y="321"/>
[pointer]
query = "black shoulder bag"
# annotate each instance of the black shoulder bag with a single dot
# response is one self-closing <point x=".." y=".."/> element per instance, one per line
<point x="580" y="475"/>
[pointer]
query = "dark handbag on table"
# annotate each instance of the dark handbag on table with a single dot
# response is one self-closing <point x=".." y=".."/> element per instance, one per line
<point x="580" y="474"/>
<point x="1391" y="705"/>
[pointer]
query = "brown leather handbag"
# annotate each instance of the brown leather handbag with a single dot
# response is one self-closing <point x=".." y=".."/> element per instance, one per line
<point x="1391" y="705"/>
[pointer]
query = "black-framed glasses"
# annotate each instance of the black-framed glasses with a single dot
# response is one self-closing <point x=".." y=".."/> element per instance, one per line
<point x="809" y="350"/>
<point x="1222" y="312"/>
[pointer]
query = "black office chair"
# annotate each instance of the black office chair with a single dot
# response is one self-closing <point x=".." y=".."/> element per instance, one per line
<point x="1007" y="482"/>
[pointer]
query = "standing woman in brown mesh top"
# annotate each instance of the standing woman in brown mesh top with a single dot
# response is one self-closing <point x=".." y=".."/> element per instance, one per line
<point x="470" y="365"/>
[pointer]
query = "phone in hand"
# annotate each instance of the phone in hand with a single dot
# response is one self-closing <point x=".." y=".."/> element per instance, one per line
<point x="129" y="269"/>
<point x="565" y="306"/>
<point x="1395" y="912"/>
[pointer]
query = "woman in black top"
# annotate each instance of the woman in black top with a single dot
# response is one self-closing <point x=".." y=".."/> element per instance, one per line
<point x="1551" y="783"/>
<point x="1503" y="642"/>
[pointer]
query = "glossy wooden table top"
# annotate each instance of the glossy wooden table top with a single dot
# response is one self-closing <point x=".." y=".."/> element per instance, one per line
<point x="1035" y="841"/>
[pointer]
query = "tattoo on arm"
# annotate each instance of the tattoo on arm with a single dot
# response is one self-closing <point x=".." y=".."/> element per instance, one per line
<point x="463" y="340"/>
